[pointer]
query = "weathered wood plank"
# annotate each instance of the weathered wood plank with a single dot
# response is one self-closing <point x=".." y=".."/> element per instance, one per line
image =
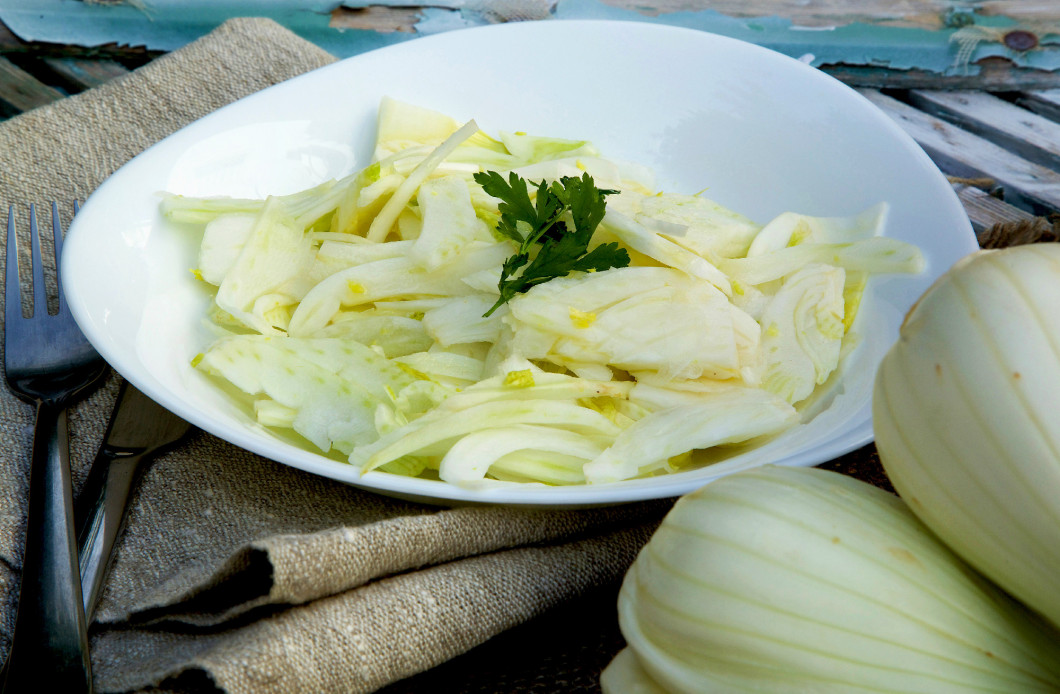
<point x="12" y="44"/>
<point x="995" y="75"/>
<point x="85" y="73"/>
<point x="1027" y="134"/>
<point x="1045" y="103"/>
<point x="984" y="210"/>
<point x="21" y="91"/>
<point x="923" y="14"/>
<point x="929" y="15"/>
<point x="957" y="152"/>
<point x="8" y="40"/>
<point x="386" y="20"/>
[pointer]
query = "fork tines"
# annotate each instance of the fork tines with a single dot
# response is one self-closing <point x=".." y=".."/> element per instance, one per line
<point x="43" y="261"/>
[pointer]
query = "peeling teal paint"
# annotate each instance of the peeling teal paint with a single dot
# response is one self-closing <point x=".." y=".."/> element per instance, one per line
<point x="168" y="24"/>
<point x="896" y="48"/>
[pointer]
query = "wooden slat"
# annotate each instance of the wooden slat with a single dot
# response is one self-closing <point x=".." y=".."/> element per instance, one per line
<point x="8" y="41"/>
<point x="984" y="210"/>
<point x="21" y="91"/>
<point x="84" y="73"/>
<point x="960" y="153"/>
<point x="995" y="75"/>
<point x="385" y="20"/>
<point x="1027" y="134"/>
<point x="12" y="44"/>
<point x="919" y="14"/>
<point x="1045" y="103"/>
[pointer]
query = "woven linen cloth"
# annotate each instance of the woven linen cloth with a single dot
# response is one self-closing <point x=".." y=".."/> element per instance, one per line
<point x="236" y="572"/>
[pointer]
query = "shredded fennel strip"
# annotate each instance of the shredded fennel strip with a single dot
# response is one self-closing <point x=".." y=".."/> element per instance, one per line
<point x="389" y="214"/>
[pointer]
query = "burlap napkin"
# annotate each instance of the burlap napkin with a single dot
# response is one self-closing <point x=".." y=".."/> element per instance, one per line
<point x="240" y="573"/>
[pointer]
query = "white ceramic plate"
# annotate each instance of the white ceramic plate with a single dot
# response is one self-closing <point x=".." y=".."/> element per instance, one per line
<point x="762" y="133"/>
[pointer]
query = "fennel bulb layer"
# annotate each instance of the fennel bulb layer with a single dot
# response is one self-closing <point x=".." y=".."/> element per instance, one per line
<point x="801" y="580"/>
<point x="964" y="412"/>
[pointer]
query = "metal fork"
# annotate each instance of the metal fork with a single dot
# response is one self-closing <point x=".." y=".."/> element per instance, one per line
<point x="49" y="364"/>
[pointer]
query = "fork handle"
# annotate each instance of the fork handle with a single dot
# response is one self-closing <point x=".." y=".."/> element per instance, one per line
<point x="49" y="647"/>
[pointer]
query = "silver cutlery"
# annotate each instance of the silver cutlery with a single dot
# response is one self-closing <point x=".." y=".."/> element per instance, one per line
<point x="49" y="364"/>
<point x="139" y="428"/>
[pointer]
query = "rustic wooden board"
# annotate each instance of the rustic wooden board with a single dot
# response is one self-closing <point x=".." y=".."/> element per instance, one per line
<point x="958" y="152"/>
<point x="913" y="14"/>
<point x="12" y="44"/>
<point x="1044" y="102"/>
<point x="8" y="41"/>
<point x="873" y="43"/>
<point x="21" y="91"/>
<point x="984" y="210"/>
<point x="375" y="18"/>
<point x="84" y="73"/>
<point x="995" y="75"/>
<point x="922" y="14"/>
<point x="1022" y="132"/>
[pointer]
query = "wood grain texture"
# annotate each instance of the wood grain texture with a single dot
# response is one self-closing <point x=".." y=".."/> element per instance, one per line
<point x="1045" y="102"/>
<point x="918" y="14"/>
<point x="995" y="75"/>
<point x="10" y="44"/>
<point x="385" y="20"/>
<point x="984" y="210"/>
<point x="1021" y="132"/>
<point x="8" y="41"/>
<point x="21" y="91"/>
<point x="958" y="152"/>
<point x="922" y="14"/>
<point x="84" y="73"/>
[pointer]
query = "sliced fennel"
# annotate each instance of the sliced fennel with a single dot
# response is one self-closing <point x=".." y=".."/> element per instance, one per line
<point x="273" y="257"/>
<point x="716" y="419"/>
<point x="363" y="313"/>
<point x="803" y="331"/>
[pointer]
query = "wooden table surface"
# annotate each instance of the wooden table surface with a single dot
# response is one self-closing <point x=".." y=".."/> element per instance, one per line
<point x="996" y="134"/>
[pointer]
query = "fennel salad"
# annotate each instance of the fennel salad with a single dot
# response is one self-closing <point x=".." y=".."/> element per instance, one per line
<point x="522" y="309"/>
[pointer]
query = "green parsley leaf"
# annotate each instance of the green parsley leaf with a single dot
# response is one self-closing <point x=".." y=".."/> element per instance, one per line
<point x="537" y="224"/>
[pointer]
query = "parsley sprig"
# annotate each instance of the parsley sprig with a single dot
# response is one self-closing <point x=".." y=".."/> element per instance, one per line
<point x="538" y="222"/>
